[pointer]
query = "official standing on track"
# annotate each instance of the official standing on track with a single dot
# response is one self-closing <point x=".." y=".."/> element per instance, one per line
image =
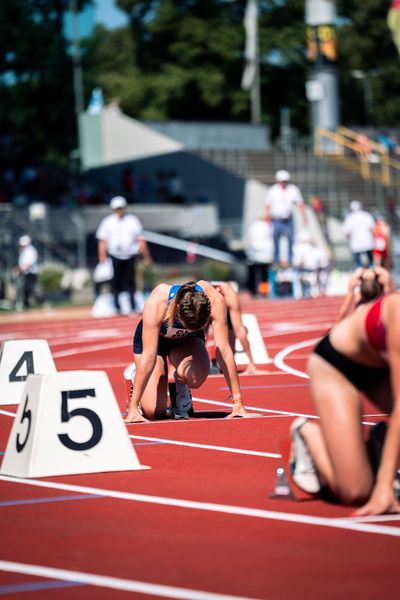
<point x="260" y="254"/>
<point x="358" y="227"/>
<point x="280" y="201"/>
<point x="120" y="237"/>
<point x="27" y="269"/>
<point x="173" y="329"/>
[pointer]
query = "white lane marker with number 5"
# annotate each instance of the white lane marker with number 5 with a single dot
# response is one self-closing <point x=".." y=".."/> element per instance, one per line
<point x="68" y="423"/>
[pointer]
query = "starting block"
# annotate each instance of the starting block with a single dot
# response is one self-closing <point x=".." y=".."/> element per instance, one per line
<point x="282" y="486"/>
<point x="129" y="376"/>
<point x="18" y="359"/>
<point x="68" y="423"/>
<point x="285" y="486"/>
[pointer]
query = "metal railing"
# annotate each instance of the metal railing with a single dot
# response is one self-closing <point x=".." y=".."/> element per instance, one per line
<point x="363" y="148"/>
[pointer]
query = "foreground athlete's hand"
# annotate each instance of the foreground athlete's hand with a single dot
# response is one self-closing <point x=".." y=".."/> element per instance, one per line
<point x="135" y="416"/>
<point x="252" y="370"/>
<point x="238" y="410"/>
<point x="382" y="501"/>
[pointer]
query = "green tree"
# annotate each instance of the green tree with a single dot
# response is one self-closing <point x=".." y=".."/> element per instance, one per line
<point x="185" y="60"/>
<point x="36" y="107"/>
<point x="365" y="44"/>
<point x="182" y="59"/>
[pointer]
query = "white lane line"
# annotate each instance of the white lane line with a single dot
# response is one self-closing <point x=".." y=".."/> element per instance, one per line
<point x="275" y="413"/>
<point x="81" y="342"/>
<point x="115" y="583"/>
<point x="376" y="518"/>
<point x="279" y="358"/>
<point x="256" y="408"/>
<point x="242" y="511"/>
<point x="8" y="413"/>
<point x="92" y="348"/>
<point x="208" y="447"/>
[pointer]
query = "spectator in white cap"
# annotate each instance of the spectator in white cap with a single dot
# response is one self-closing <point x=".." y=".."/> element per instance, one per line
<point x="358" y="227"/>
<point x="281" y="200"/>
<point x="120" y="237"/>
<point x="27" y="270"/>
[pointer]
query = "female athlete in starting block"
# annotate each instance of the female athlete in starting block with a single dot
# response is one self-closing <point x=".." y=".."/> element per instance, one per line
<point x="173" y="327"/>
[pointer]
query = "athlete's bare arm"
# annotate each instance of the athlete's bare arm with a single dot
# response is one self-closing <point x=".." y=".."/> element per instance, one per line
<point x="153" y="316"/>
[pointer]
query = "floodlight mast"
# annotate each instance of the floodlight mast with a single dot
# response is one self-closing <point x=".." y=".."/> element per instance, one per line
<point x="322" y="87"/>
<point x="77" y="74"/>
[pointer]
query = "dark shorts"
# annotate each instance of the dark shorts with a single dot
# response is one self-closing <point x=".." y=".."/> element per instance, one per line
<point x="363" y="377"/>
<point x="165" y="345"/>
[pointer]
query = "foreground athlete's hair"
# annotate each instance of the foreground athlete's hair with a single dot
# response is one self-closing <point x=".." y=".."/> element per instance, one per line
<point x="191" y="306"/>
<point x="370" y="289"/>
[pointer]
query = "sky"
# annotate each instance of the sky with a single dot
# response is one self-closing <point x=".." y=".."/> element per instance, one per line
<point x="108" y="14"/>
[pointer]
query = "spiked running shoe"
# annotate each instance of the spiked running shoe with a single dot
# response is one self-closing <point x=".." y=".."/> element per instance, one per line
<point x="301" y="466"/>
<point x="181" y="400"/>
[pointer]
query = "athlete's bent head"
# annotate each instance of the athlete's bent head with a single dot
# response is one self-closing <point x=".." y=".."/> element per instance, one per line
<point x="191" y="306"/>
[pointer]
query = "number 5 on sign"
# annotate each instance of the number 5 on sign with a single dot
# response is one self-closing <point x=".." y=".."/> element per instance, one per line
<point x="68" y="423"/>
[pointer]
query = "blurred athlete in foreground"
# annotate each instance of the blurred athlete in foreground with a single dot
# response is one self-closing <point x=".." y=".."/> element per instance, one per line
<point x="365" y="285"/>
<point x="360" y="355"/>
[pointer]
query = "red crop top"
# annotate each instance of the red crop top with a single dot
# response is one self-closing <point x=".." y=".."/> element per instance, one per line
<point x="374" y="327"/>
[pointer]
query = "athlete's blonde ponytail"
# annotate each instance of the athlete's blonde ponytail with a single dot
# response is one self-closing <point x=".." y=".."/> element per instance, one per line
<point x="191" y="306"/>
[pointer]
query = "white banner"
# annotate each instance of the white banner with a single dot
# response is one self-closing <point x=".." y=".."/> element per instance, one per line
<point x="250" y="50"/>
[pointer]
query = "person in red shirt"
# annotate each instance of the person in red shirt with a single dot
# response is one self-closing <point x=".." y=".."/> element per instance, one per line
<point x="381" y="251"/>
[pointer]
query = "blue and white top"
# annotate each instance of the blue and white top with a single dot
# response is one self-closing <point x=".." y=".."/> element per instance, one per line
<point x="177" y="330"/>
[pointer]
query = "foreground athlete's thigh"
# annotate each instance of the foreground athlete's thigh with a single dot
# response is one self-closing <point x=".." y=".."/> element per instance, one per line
<point x="338" y="404"/>
<point x="154" y="398"/>
<point x="191" y="361"/>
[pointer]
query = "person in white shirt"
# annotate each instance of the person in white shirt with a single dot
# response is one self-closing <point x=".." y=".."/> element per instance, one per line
<point x="312" y="264"/>
<point x="358" y="227"/>
<point x="259" y="252"/>
<point x="281" y="200"/>
<point x="120" y="237"/>
<point x="27" y="269"/>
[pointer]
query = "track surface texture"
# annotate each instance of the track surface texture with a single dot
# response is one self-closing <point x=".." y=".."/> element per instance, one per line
<point x="200" y="523"/>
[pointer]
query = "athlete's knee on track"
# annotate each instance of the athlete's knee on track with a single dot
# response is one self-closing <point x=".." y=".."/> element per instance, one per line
<point x="353" y="493"/>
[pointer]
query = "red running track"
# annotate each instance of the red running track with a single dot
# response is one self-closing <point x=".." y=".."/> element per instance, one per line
<point x="200" y="523"/>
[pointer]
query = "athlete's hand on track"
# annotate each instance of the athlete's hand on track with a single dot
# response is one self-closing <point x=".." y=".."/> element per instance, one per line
<point x="239" y="410"/>
<point x="252" y="370"/>
<point x="382" y="501"/>
<point x="134" y="416"/>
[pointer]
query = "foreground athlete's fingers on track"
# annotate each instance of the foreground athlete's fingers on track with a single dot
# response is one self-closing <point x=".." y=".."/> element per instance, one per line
<point x="381" y="502"/>
<point x="253" y="371"/>
<point x="134" y="416"/>
<point x="239" y="410"/>
<point x="252" y="415"/>
<point x="136" y="420"/>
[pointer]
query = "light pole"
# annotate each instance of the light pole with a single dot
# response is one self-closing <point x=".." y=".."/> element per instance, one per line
<point x="322" y="87"/>
<point x="251" y="74"/>
<point x="77" y="73"/>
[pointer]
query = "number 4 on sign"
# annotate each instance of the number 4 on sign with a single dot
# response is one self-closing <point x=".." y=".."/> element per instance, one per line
<point x="18" y="359"/>
<point x="68" y="423"/>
